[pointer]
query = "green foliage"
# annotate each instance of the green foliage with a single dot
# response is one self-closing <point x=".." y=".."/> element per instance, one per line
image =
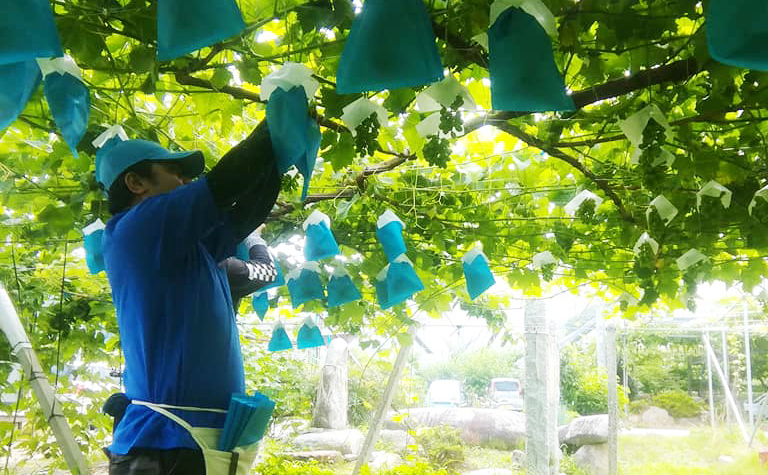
<point x="569" y="466"/>
<point x="441" y="445"/>
<point x="583" y="388"/>
<point x="694" y="454"/>
<point x="476" y="369"/>
<point x="677" y="403"/>
<point x="283" y="377"/>
<point x="366" y="387"/>
<point x="275" y="465"/>
<point x="417" y="468"/>
<point x="659" y="363"/>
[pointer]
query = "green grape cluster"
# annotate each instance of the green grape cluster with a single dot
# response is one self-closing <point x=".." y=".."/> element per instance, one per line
<point x="366" y="134"/>
<point x="450" y="118"/>
<point x="654" y="136"/>
<point x="437" y="151"/>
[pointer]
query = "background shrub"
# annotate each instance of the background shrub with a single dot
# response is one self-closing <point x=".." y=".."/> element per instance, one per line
<point x="677" y="403"/>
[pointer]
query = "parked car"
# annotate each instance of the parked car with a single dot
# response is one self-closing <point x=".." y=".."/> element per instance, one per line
<point x="447" y="393"/>
<point x="506" y="393"/>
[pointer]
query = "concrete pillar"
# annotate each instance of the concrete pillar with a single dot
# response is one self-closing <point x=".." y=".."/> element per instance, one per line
<point x="613" y="405"/>
<point x="542" y="391"/>
<point x="332" y="393"/>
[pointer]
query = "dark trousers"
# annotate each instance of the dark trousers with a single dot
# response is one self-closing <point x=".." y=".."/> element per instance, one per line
<point x="157" y="462"/>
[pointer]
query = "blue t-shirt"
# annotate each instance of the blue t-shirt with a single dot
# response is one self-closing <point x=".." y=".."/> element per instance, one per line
<point x="174" y="310"/>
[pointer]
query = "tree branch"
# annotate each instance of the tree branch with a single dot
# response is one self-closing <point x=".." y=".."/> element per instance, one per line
<point x="673" y="72"/>
<point x="349" y="188"/>
<point x="559" y="154"/>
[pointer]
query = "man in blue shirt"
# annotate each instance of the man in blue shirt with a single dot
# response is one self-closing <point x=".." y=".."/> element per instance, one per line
<point x="174" y="308"/>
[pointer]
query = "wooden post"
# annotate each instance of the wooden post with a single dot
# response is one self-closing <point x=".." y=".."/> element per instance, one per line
<point x="386" y="400"/>
<point x="22" y="350"/>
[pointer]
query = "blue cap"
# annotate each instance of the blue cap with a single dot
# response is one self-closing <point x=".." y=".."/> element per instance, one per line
<point x="114" y="158"/>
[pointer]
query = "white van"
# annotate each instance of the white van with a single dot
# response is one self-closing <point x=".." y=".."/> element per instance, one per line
<point x="506" y="393"/>
<point x="446" y="393"/>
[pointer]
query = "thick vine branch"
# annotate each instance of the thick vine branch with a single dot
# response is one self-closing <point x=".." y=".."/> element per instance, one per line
<point x="673" y="72"/>
<point x="187" y="79"/>
<point x="349" y="188"/>
<point x="559" y="154"/>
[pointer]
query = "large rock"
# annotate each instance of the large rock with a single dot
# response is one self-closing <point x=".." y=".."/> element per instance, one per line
<point x="656" y="417"/>
<point x="495" y="428"/>
<point x="585" y="430"/>
<point x="593" y="458"/>
<point x="332" y="392"/>
<point x="346" y="441"/>
<point x="325" y="456"/>
<point x="399" y="440"/>
<point x="286" y="429"/>
<point x="384" y="461"/>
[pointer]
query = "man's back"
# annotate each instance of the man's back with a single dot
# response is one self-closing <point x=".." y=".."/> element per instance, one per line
<point x="174" y="309"/>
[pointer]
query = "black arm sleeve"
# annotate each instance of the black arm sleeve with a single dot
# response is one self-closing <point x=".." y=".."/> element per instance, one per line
<point x="246" y="277"/>
<point x="245" y="182"/>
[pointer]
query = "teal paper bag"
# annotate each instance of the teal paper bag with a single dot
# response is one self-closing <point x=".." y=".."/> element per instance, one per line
<point x="92" y="242"/>
<point x="256" y="426"/>
<point x="287" y="113"/>
<point x="17" y="83"/>
<point x="304" y="284"/>
<point x="390" y="45"/>
<point x="280" y="340"/>
<point x="247" y="420"/>
<point x="70" y="105"/>
<point x="233" y="424"/>
<point x="94" y="255"/>
<point x="402" y="281"/>
<point x="522" y="68"/>
<point x="260" y="303"/>
<point x="341" y="289"/>
<point x="389" y="230"/>
<point x="309" y="336"/>
<point x="382" y="295"/>
<point x="477" y="273"/>
<point x="184" y="26"/>
<point x="320" y="241"/>
<point x="737" y="32"/>
<point x="27" y="31"/>
<point x="307" y="165"/>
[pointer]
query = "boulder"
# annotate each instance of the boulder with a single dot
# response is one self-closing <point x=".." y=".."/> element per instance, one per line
<point x="384" y="461"/>
<point x="496" y="428"/>
<point x="326" y="456"/>
<point x="398" y="440"/>
<point x="593" y="458"/>
<point x="286" y="429"/>
<point x="518" y="457"/>
<point x="656" y="417"/>
<point x="348" y="441"/>
<point x="585" y="430"/>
